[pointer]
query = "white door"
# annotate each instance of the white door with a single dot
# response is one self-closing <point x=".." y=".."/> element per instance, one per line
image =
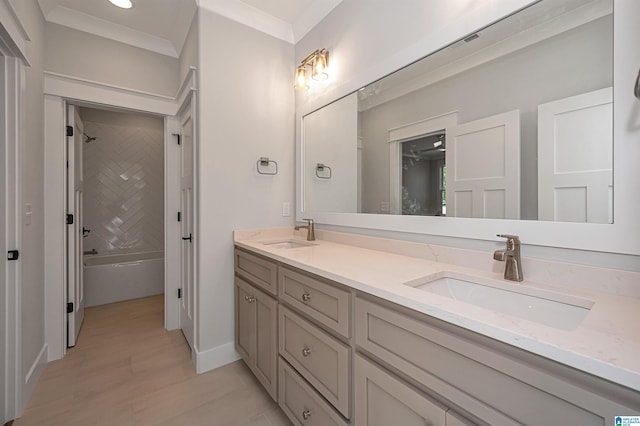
<point x="483" y="167"/>
<point x="575" y="140"/>
<point x="75" y="267"/>
<point x="187" y="269"/>
<point x="10" y="237"/>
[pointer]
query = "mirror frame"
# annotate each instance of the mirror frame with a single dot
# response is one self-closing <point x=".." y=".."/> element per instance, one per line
<point x="621" y="237"/>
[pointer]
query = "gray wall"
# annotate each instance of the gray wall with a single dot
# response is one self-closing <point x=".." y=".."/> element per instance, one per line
<point x="571" y="63"/>
<point x="246" y="105"/>
<point x="79" y="54"/>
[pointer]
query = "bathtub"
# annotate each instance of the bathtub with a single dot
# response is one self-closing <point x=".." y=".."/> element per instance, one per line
<point x="117" y="277"/>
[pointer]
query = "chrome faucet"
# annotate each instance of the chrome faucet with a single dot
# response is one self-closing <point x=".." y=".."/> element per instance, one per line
<point x="311" y="233"/>
<point x="513" y="266"/>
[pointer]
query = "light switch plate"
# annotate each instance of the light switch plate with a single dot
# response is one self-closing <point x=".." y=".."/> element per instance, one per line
<point x="286" y="209"/>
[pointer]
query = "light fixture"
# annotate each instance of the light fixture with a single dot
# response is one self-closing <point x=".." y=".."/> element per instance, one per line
<point x="124" y="4"/>
<point x="319" y="62"/>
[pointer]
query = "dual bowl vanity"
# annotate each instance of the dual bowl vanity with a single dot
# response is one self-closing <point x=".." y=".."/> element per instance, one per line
<point x="340" y="331"/>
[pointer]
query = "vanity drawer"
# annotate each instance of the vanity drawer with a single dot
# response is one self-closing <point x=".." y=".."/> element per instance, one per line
<point x="301" y="403"/>
<point x="495" y="387"/>
<point x="323" y="302"/>
<point x="381" y="399"/>
<point x="321" y="359"/>
<point x="257" y="270"/>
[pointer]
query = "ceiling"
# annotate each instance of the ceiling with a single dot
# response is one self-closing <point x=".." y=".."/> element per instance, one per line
<point x="162" y="25"/>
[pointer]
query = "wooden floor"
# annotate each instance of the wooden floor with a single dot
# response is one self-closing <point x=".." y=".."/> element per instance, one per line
<point x="126" y="369"/>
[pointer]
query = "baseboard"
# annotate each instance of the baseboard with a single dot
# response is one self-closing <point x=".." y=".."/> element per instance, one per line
<point x="33" y="376"/>
<point x="215" y="357"/>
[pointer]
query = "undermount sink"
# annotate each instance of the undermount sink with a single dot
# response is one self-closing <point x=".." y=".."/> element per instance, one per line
<point x="289" y="244"/>
<point x="556" y="310"/>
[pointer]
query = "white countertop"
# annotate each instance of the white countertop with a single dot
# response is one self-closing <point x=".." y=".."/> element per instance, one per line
<point x="606" y="343"/>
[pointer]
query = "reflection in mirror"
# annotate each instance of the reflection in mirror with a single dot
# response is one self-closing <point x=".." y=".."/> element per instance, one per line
<point x="524" y="111"/>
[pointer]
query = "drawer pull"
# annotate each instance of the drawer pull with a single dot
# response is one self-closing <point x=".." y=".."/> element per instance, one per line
<point x="250" y="299"/>
<point x="306" y="352"/>
<point x="306" y="297"/>
<point x="306" y="414"/>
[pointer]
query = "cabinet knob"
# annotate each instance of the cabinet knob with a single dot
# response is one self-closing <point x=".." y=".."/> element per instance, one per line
<point x="306" y="414"/>
<point x="306" y="352"/>
<point x="306" y="297"/>
<point x="250" y="299"/>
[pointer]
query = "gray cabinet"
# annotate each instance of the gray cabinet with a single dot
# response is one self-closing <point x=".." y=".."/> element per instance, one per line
<point x="495" y="383"/>
<point x="322" y="360"/>
<point x="256" y="335"/>
<point x="325" y="303"/>
<point x="301" y="403"/>
<point x="257" y="270"/>
<point x="381" y="400"/>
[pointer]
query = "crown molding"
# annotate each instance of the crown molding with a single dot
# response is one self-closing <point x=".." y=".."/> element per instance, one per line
<point x="250" y="16"/>
<point x="100" y="27"/>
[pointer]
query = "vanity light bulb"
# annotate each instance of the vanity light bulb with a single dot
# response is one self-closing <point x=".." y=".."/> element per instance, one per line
<point x="320" y="66"/>
<point x="301" y="79"/>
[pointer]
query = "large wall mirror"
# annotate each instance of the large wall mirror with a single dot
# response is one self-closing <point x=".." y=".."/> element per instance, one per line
<point x="515" y="121"/>
<point x="510" y="129"/>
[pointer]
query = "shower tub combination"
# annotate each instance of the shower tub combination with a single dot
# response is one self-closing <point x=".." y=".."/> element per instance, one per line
<point x="118" y="277"/>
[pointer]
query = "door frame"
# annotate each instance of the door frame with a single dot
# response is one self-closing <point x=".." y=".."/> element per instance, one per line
<point x="60" y="90"/>
<point x="397" y="135"/>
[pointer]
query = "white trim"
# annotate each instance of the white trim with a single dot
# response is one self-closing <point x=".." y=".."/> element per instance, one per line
<point x="55" y="242"/>
<point x="18" y="21"/>
<point x="250" y="16"/>
<point x="15" y="44"/>
<point x="215" y="357"/>
<point x="409" y="131"/>
<point x="90" y="24"/>
<point x="188" y="85"/>
<point x="69" y="87"/>
<point x="34" y="374"/>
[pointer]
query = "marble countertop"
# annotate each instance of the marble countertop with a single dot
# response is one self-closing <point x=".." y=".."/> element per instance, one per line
<point x="606" y="343"/>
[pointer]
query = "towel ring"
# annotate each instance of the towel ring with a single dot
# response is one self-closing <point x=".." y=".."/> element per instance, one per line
<point x="321" y="168"/>
<point x="263" y="163"/>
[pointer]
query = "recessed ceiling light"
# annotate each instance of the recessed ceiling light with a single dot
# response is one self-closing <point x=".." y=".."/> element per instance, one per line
<point x="125" y="4"/>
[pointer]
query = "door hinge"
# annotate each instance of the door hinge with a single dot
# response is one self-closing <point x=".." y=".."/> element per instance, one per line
<point x="69" y="307"/>
<point x="69" y="131"/>
<point x="179" y="216"/>
<point x="13" y="255"/>
<point x="178" y="138"/>
<point x="179" y="293"/>
<point x="69" y="219"/>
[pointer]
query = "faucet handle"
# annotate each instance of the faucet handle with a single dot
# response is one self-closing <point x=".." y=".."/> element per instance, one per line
<point x="309" y="221"/>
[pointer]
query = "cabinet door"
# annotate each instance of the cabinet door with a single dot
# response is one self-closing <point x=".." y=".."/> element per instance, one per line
<point x="245" y="329"/>
<point x="266" y="354"/>
<point x="381" y="399"/>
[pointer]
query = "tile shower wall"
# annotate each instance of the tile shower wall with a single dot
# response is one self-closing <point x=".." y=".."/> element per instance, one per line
<point x="123" y="182"/>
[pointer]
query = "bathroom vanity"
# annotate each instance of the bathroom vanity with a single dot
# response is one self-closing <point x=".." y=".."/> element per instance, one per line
<point x="375" y="337"/>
